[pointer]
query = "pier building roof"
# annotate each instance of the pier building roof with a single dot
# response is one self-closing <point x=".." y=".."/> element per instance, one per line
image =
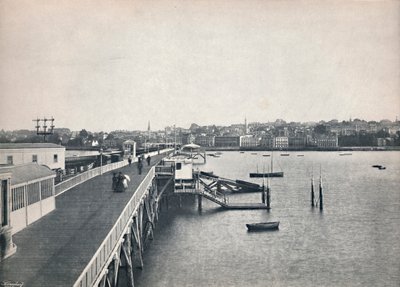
<point x="28" y="145"/>
<point x="190" y="147"/>
<point x="27" y="172"/>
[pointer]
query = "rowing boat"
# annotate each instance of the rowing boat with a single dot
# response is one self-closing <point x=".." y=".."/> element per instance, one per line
<point x="263" y="226"/>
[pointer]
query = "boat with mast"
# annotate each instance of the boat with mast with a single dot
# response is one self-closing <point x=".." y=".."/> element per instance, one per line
<point x="267" y="174"/>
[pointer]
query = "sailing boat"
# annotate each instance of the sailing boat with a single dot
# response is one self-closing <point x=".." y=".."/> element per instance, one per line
<point x="268" y="174"/>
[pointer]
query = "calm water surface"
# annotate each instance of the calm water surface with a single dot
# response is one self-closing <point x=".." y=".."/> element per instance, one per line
<point x="355" y="241"/>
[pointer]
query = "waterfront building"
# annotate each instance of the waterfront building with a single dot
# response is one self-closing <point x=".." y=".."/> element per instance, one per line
<point x="267" y="141"/>
<point x="326" y="141"/>
<point x="227" y="141"/>
<point x="281" y="142"/>
<point x="249" y="141"/>
<point x="204" y="140"/>
<point x="381" y="142"/>
<point x="297" y="142"/>
<point x="48" y="154"/>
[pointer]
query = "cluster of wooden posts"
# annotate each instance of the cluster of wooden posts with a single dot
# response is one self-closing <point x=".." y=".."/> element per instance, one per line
<point x="320" y="201"/>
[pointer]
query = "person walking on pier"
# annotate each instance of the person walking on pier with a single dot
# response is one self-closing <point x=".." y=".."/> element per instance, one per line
<point x="122" y="183"/>
<point x="148" y="160"/>
<point x="130" y="160"/>
<point x="140" y="166"/>
<point x="114" y="181"/>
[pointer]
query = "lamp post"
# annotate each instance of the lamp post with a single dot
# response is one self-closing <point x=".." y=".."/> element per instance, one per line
<point x="101" y="161"/>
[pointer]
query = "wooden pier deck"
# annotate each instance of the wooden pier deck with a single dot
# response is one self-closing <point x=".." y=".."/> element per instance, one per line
<point x="54" y="250"/>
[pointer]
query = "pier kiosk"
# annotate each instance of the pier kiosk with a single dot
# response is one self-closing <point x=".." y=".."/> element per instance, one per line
<point x="193" y="151"/>
<point x="7" y="247"/>
<point x="182" y="173"/>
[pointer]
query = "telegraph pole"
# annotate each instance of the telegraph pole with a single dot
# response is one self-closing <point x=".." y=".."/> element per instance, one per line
<point x="42" y="129"/>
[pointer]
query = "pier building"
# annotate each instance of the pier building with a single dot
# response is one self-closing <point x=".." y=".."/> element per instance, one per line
<point x="48" y="154"/>
<point x="32" y="194"/>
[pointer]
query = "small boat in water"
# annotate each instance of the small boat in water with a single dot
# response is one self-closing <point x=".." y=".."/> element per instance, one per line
<point x="345" y="153"/>
<point x="213" y="155"/>
<point x="272" y="225"/>
<point x="285" y="154"/>
<point x="378" y="166"/>
<point x="266" y="174"/>
<point x="266" y="155"/>
<point x="300" y="155"/>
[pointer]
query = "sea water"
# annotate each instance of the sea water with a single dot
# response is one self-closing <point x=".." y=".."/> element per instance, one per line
<point x="354" y="241"/>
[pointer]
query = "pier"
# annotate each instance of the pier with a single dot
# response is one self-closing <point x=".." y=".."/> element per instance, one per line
<point x="94" y="237"/>
<point x="210" y="187"/>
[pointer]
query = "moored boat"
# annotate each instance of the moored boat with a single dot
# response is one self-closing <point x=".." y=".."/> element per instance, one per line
<point x="272" y="225"/>
<point x="266" y="174"/>
<point x="378" y="166"/>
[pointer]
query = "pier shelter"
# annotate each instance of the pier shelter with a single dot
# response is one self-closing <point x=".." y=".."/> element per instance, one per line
<point x="129" y="147"/>
<point x="182" y="171"/>
<point x="193" y="151"/>
<point x="31" y="194"/>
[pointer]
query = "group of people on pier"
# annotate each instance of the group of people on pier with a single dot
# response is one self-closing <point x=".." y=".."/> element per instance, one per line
<point x="120" y="181"/>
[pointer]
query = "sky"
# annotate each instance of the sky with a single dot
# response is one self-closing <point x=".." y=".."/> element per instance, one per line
<point x="115" y="65"/>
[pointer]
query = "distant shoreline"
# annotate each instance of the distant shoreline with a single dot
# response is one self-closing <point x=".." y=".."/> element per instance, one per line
<point x="338" y="149"/>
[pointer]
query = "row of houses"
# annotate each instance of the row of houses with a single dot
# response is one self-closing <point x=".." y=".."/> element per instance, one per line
<point x="281" y="142"/>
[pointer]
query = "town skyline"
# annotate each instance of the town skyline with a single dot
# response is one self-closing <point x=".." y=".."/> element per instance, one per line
<point x="249" y="122"/>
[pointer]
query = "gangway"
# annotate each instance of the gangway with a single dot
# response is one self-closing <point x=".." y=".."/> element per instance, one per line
<point x="202" y="189"/>
<point x="229" y="184"/>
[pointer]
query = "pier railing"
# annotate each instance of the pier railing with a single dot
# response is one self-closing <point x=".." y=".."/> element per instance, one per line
<point x="82" y="177"/>
<point x="109" y="246"/>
